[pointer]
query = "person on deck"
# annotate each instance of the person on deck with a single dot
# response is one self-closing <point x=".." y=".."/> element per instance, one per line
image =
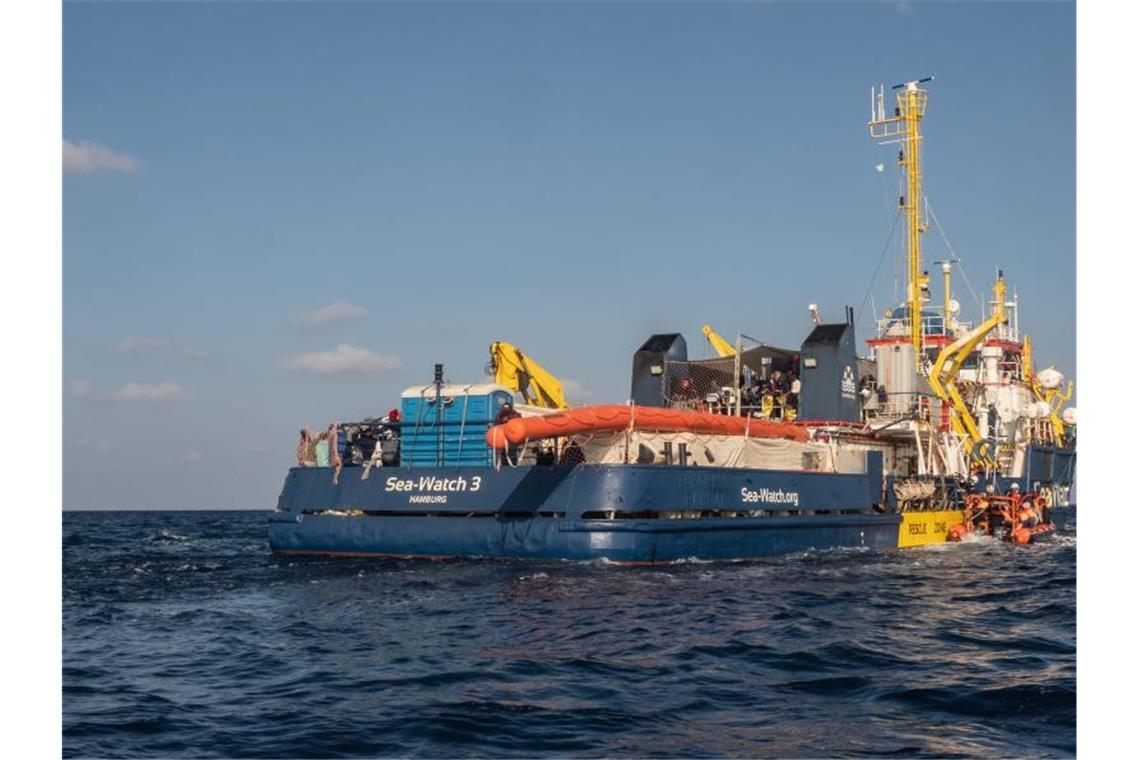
<point x="778" y="387"/>
<point x="779" y="382"/>
<point x="792" y="400"/>
<point x="506" y="412"/>
<point x="306" y="449"/>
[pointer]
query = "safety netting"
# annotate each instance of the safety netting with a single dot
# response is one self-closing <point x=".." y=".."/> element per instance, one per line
<point x="725" y="383"/>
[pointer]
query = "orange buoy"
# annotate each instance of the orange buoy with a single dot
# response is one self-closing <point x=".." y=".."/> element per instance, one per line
<point x="615" y="417"/>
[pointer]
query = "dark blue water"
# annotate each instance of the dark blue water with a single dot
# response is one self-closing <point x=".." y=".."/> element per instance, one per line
<point x="183" y="636"/>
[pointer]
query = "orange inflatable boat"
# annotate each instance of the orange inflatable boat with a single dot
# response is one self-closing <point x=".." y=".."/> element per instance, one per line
<point x="614" y="417"/>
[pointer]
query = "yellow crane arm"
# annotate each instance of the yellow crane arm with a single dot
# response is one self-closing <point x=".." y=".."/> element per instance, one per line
<point x="1054" y="398"/>
<point x="522" y="374"/>
<point x="719" y="344"/>
<point x="1058" y="399"/>
<point x="946" y="388"/>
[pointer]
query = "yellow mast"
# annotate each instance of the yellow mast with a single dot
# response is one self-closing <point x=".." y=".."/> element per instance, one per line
<point x="903" y="128"/>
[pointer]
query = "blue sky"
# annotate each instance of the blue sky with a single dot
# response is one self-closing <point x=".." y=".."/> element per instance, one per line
<point x="568" y="177"/>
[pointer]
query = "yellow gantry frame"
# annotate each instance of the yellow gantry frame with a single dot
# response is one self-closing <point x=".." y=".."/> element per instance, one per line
<point x="942" y="378"/>
<point x="905" y="127"/>
<point x="522" y="374"/>
<point x="1053" y="397"/>
<point x="720" y="345"/>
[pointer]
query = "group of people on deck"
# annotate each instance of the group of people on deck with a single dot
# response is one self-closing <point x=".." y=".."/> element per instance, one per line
<point x="777" y="397"/>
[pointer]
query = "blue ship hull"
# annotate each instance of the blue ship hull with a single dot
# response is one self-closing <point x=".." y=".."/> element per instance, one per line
<point x="622" y="513"/>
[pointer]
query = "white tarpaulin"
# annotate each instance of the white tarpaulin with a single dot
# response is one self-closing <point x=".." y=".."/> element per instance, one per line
<point x="712" y="451"/>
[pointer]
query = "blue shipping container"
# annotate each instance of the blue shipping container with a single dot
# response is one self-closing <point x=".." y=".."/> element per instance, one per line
<point x="452" y="432"/>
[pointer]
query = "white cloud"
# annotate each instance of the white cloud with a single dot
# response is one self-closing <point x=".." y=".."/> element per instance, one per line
<point x="149" y="392"/>
<point x="574" y="390"/>
<point x="334" y="312"/>
<point x="139" y="346"/>
<point x="193" y="456"/>
<point x="80" y="387"/>
<point x="85" y="157"/>
<point x="341" y="360"/>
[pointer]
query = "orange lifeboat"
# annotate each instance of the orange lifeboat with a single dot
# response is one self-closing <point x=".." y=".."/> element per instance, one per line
<point x="1020" y="519"/>
<point x="615" y="417"/>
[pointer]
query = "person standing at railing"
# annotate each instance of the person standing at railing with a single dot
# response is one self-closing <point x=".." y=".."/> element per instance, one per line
<point x="792" y="400"/>
<point x="306" y="449"/>
<point x="778" y="387"/>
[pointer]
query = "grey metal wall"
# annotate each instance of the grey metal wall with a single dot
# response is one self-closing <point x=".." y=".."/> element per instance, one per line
<point x="649" y="364"/>
<point x="829" y="374"/>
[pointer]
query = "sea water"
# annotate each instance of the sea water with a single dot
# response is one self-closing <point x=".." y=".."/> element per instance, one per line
<point x="184" y="636"/>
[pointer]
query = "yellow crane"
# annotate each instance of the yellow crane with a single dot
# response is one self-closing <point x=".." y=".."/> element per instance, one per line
<point x="720" y="345"/>
<point x="522" y="374"/>
<point x="942" y="378"/>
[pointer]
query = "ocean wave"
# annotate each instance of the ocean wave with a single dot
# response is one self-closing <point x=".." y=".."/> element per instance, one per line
<point x="199" y="642"/>
<point x="165" y="535"/>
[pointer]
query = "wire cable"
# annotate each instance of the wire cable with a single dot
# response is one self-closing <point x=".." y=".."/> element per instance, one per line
<point x="875" y="274"/>
<point x="954" y="255"/>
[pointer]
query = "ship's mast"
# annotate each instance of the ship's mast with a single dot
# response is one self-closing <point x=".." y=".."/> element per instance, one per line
<point x="947" y="301"/>
<point x="904" y="129"/>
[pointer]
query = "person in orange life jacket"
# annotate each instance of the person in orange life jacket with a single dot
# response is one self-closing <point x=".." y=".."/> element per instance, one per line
<point x="1028" y="515"/>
